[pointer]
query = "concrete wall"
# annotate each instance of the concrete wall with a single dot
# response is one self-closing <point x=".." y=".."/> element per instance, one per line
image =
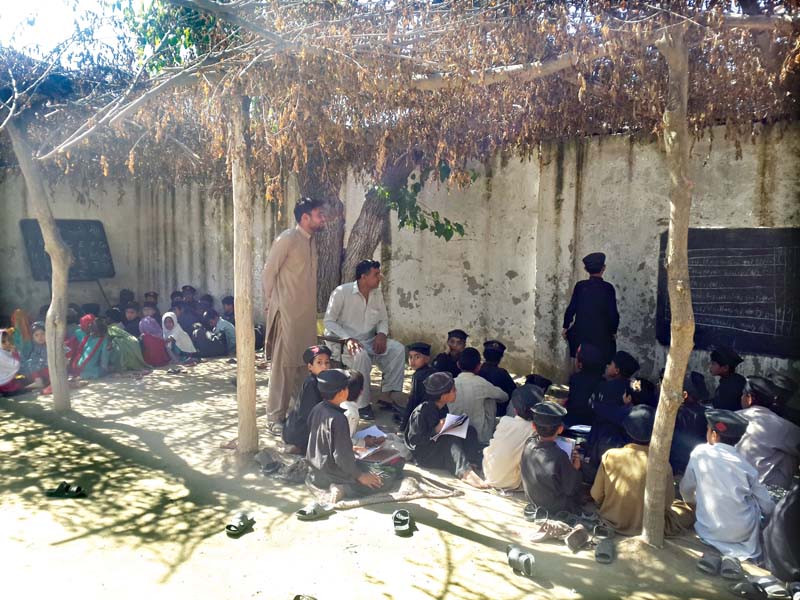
<point x="161" y="237"/>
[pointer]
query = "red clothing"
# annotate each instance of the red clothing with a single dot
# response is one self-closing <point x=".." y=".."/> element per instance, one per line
<point x="154" y="350"/>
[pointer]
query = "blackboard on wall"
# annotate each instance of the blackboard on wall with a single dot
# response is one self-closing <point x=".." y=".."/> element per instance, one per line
<point x="745" y="290"/>
<point x="85" y="238"/>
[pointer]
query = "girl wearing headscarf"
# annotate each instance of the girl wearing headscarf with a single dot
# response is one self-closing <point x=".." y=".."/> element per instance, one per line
<point x="125" y="351"/>
<point x="22" y="331"/>
<point x="92" y="356"/>
<point x="154" y="346"/>
<point x="9" y="364"/>
<point x="181" y="345"/>
<point x="34" y="362"/>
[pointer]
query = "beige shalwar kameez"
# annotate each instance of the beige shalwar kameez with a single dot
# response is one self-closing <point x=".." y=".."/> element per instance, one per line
<point x="289" y="284"/>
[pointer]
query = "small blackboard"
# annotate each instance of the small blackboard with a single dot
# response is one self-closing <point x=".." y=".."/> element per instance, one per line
<point x="745" y="290"/>
<point x="87" y="241"/>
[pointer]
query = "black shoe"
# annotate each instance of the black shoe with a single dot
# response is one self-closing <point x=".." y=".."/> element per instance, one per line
<point x="366" y="413"/>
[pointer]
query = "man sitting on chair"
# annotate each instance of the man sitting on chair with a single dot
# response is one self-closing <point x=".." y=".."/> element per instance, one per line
<point x="356" y="313"/>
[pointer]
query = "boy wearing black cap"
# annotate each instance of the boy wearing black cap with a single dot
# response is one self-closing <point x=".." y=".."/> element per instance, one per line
<point x="332" y="463"/>
<point x="551" y="479"/>
<point x="491" y="371"/>
<point x="448" y="452"/>
<point x="728" y="395"/>
<point x="619" y="486"/>
<point x="295" y="432"/>
<point x="419" y="358"/>
<point x="771" y="443"/>
<point x="582" y="384"/>
<point x="690" y="422"/>
<point x="448" y="361"/>
<point x="131" y="321"/>
<point x="725" y="487"/>
<point x="592" y="316"/>
<point x="501" y="460"/>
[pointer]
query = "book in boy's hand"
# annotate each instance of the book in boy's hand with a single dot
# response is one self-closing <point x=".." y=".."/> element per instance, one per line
<point x="453" y="425"/>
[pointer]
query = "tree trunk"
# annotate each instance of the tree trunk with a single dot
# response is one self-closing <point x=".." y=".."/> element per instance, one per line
<point x="676" y="140"/>
<point x="238" y="152"/>
<point x="60" y="260"/>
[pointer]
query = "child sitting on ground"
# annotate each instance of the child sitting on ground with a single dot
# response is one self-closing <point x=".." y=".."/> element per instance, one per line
<point x="552" y="480"/>
<point x="728" y="395"/>
<point x="448" y="452"/>
<point x="150" y="309"/>
<point x="419" y="358"/>
<point x="91" y="359"/>
<point x="476" y="398"/>
<point x="180" y="345"/>
<point x="771" y="443"/>
<point x="448" y="361"/>
<point x="219" y="325"/>
<point x="9" y="365"/>
<point x="34" y="362"/>
<point x="730" y="500"/>
<point x="332" y="463"/>
<point x="295" y="431"/>
<point x="125" y="350"/>
<point x="131" y="321"/>
<point x="583" y="383"/>
<point x="492" y="372"/>
<point x="501" y="460"/>
<point x="690" y="423"/>
<point x="228" y="312"/>
<point x="154" y="346"/>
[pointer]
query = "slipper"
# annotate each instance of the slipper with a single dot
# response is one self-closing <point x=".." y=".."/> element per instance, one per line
<point x="314" y="512"/>
<point x="731" y="568"/>
<point x="175" y="371"/>
<point x="65" y="490"/>
<point x="709" y="562"/>
<point x="772" y="586"/>
<point x="58" y="492"/>
<point x="520" y="561"/>
<point x="577" y="538"/>
<point x="303" y="597"/>
<point x="602" y="532"/>
<point x="271" y="467"/>
<point x="606" y="552"/>
<point x="534" y="513"/>
<point x="567" y="517"/>
<point x="239" y="525"/>
<point x="231" y="361"/>
<point x="403" y="523"/>
<point x="749" y="590"/>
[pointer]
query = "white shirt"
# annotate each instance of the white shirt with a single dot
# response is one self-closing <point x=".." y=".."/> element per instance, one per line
<point x="501" y="460"/>
<point x="350" y="315"/>
<point x="477" y="398"/>
<point x="771" y="445"/>
<point x="729" y="500"/>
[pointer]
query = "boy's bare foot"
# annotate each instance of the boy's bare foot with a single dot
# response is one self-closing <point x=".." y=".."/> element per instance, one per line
<point x="471" y="478"/>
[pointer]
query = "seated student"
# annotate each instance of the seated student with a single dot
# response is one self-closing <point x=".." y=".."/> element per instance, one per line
<point x="355" y="385"/>
<point x="786" y="387"/>
<point x="189" y="292"/>
<point x="22" y="331"/>
<point x="582" y="384"/>
<point x="611" y="404"/>
<point x="204" y="303"/>
<point x="34" y="361"/>
<point x="126" y="296"/>
<point x="419" y="358"/>
<point x="125" y="350"/>
<point x="781" y="542"/>
<point x="175" y="296"/>
<point x="492" y="372"/>
<point x="295" y="431"/>
<point x="332" y="463"/>
<point x="208" y="343"/>
<point x="228" y="312"/>
<point x="622" y="367"/>
<point x="186" y="315"/>
<point x="91" y="360"/>
<point x="449" y="452"/>
<point x="150" y="309"/>
<point x="771" y="443"/>
<point x="531" y="381"/>
<point x="180" y="345"/>
<point x="643" y="391"/>
<point x="219" y="325"/>
<point x="90" y="308"/>
<point x="728" y="395"/>
<point x="130" y="322"/>
<point x="448" y="361"/>
<point x="154" y="346"/>
<point x="501" y="460"/>
<point x="618" y="488"/>
<point x="552" y="480"/>
<point x="690" y="422"/>
<point x="151" y="297"/>
<point x="9" y="365"/>
<point x="725" y="487"/>
<point x="476" y="397"/>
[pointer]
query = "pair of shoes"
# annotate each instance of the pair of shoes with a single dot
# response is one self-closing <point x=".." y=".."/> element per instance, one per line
<point x="366" y="413"/>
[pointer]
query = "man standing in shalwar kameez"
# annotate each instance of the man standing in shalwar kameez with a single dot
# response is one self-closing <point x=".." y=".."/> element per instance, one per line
<point x="289" y="284"/>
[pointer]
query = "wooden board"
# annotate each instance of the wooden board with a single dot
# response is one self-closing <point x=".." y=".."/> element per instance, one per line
<point x="745" y="290"/>
<point x="85" y="238"/>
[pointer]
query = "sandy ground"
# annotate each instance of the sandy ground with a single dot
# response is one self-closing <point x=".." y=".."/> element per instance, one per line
<point x="161" y="491"/>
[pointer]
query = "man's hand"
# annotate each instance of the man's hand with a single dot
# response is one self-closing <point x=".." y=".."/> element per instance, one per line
<point x="370" y="480"/>
<point x="353" y="345"/>
<point x="379" y="344"/>
<point x="438" y="428"/>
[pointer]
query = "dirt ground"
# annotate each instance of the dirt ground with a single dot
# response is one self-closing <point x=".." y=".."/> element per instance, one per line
<point x="161" y="491"/>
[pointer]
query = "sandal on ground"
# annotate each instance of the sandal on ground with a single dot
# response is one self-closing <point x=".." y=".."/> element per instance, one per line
<point x="534" y="513"/>
<point x="773" y="587"/>
<point x="731" y="568"/>
<point x="549" y="529"/>
<point x="271" y="467"/>
<point x="602" y="532"/>
<point x="577" y="538"/>
<point x="175" y="371"/>
<point x="314" y="512"/>
<point x="709" y="563"/>
<point x="66" y="490"/>
<point x="520" y="560"/>
<point x="566" y="517"/>
<point x="303" y="597"/>
<point x="403" y="523"/>
<point x="239" y="525"/>
<point x="749" y="590"/>
<point x="275" y="429"/>
<point x="606" y="552"/>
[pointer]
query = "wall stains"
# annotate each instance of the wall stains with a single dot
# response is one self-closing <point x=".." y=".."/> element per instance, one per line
<point x="512" y="274"/>
<point x="765" y="203"/>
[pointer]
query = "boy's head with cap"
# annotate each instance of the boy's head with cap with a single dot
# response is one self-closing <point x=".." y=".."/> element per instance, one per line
<point x="524" y="398"/>
<point x="456" y="342"/>
<point x="622" y="366"/>
<point x="724" y="426"/>
<point x="760" y="391"/>
<point x="419" y="355"/>
<point x="470" y="360"/>
<point x="149" y="309"/>
<point x="785" y="386"/>
<point x="440" y="388"/>
<point x="493" y="350"/>
<point x="724" y="361"/>
<point x="594" y="263"/>
<point x="332" y="385"/>
<point x="151" y="296"/>
<point x="317" y="358"/>
<point x="694" y="388"/>
<point x="548" y="419"/>
<point x="639" y="423"/>
<point x="227" y="303"/>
